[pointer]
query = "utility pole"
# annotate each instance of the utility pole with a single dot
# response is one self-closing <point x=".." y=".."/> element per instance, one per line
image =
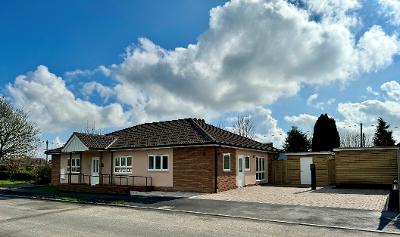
<point x="47" y="148"/>
<point x="361" y="135"/>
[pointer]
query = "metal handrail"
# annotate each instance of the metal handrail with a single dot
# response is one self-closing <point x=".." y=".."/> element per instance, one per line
<point x="110" y="177"/>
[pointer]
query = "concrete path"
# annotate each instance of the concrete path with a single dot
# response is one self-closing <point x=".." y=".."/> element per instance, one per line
<point x="26" y="217"/>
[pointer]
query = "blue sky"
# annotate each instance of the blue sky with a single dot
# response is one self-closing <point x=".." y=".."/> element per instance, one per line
<point x="118" y="60"/>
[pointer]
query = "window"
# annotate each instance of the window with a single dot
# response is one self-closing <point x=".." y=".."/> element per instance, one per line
<point x="123" y="164"/>
<point x="260" y="168"/>
<point x="247" y="163"/>
<point x="158" y="163"/>
<point x="76" y="165"/>
<point x="227" y="161"/>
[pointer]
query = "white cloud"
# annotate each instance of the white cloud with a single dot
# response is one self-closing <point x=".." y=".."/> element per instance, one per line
<point x="335" y="10"/>
<point x="87" y="73"/>
<point x="312" y="101"/>
<point x="376" y="49"/>
<point x="103" y="91"/>
<point x="251" y="47"/>
<point x="392" y="88"/>
<point x="55" y="108"/>
<point x="391" y="9"/>
<point x="304" y="121"/>
<point x="371" y="91"/>
<point x="254" y="53"/>
<point x="368" y="111"/>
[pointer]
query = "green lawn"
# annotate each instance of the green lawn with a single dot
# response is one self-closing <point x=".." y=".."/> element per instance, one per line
<point x="13" y="182"/>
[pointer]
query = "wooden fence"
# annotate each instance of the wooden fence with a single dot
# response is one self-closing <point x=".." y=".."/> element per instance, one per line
<point x="366" y="166"/>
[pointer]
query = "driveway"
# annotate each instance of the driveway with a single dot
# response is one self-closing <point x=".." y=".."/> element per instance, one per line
<point x="366" y="199"/>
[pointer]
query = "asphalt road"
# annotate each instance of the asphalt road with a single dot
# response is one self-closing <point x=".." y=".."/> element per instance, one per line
<point x="26" y="217"/>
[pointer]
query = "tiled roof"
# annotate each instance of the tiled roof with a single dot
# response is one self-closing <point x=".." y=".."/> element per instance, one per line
<point x="53" y="151"/>
<point x="224" y="137"/>
<point x="168" y="133"/>
<point x="96" y="141"/>
<point x="181" y="132"/>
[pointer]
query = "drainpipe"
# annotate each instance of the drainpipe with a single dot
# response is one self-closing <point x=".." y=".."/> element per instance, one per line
<point x="70" y="168"/>
<point x="216" y="170"/>
<point x="111" y="173"/>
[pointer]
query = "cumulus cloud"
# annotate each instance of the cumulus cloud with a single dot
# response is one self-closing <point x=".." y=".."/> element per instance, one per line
<point x="392" y="89"/>
<point x="55" y="108"/>
<point x="251" y="47"/>
<point x="94" y="87"/>
<point x="303" y="121"/>
<point x="253" y="53"/>
<point x="391" y="9"/>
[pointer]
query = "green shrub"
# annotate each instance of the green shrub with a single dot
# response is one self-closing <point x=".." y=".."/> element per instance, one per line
<point x="21" y="176"/>
<point x="42" y="174"/>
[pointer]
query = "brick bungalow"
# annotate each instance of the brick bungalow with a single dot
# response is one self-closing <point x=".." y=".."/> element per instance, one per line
<point x="179" y="155"/>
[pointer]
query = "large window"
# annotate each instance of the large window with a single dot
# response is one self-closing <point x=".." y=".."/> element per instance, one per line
<point x="260" y="168"/>
<point x="247" y="163"/>
<point x="74" y="165"/>
<point x="123" y="164"/>
<point x="158" y="163"/>
<point x="227" y="161"/>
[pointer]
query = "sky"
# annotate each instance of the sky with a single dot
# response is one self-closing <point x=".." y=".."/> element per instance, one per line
<point x="114" y="64"/>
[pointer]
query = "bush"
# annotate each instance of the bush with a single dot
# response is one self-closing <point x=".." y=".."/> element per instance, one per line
<point x="42" y="174"/>
<point x="4" y="175"/>
<point x="21" y="176"/>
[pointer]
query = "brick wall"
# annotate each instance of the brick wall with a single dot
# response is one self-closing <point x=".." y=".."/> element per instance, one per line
<point x="226" y="180"/>
<point x="194" y="169"/>
<point x="55" y="169"/>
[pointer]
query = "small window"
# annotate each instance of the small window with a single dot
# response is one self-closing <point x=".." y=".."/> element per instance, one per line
<point x="123" y="164"/>
<point x="247" y="163"/>
<point x="74" y="165"/>
<point x="158" y="163"/>
<point x="227" y="161"/>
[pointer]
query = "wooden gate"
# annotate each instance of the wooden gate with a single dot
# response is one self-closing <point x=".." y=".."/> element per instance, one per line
<point x="278" y="172"/>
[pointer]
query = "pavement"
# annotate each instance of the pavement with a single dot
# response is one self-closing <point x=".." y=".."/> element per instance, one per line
<point x="27" y="217"/>
<point x="370" y="220"/>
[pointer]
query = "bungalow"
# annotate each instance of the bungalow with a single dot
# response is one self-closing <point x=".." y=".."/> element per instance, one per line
<point x="179" y="155"/>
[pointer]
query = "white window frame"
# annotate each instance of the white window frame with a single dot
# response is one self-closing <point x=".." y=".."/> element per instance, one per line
<point x="223" y="162"/>
<point x="122" y="167"/>
<point x="72" y="166"/>
<point x="245" y="168"/>
<point x="162" y="168"/>
<point x="262" y="171"/>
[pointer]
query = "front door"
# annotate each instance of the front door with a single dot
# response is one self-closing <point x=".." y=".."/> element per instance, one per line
<point x="94" y="178"/>
<point x="240" y="172"/>
<point x="305" y="171"/>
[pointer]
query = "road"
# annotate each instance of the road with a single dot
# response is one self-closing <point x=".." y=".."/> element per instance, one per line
<point x="27" y="217"/>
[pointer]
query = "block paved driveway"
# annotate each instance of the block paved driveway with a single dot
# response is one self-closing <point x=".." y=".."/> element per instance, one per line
<point x="367" y="199"/>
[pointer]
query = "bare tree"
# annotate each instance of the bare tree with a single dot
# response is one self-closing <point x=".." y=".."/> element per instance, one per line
<point x="352" y="139"/>
<point x="244" y="126"/>
<point x="18" y="136"/>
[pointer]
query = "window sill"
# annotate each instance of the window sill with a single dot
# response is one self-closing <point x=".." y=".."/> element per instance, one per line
<point x="227" y="170"/>
<point x="157" y="170"/>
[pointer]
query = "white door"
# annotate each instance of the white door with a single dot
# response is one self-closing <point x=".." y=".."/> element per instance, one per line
<point x="94" y="178"/>
<point x="305" y="172"/>
<point x="240" y="172"/>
